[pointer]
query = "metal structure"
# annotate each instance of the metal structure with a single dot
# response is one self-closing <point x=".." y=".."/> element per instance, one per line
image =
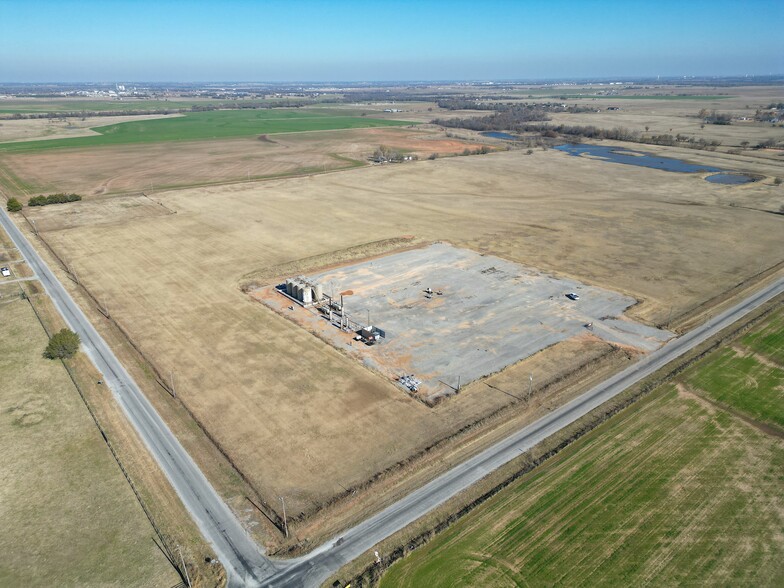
<point x="304" y="291"/>
<point x="309" y="293"/>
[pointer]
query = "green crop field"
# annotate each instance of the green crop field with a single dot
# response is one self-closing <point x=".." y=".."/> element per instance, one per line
<point x="671" y="491"/>
<point x="769" y="339"/>
<point x="742" y="382"/>
<point x="218" y="124"/>
<point x="748" y="377"/>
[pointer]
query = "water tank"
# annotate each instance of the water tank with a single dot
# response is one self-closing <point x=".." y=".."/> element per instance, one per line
<point x="318" y="292"/>
<point x="297" y="291"/>
<point x="289" y="287"/>
<point x="307" y="295"/>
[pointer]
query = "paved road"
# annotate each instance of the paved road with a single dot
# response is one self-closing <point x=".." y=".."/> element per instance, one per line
<point x="245" y="565"/>
<point x="244" y="561"/>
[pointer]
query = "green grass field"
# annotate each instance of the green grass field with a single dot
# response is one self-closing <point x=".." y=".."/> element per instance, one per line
<point x="672" y="491"/>
<point x="219" y="124"/>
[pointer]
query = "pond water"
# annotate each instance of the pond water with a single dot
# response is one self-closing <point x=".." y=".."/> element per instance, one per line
<point x="621" y="155"/>
<point x="500" y="135"/>
<point x="730" y="179"/>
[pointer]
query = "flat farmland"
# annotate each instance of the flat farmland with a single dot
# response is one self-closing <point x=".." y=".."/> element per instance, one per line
<point x="749" y="376"/>
<point x="215" y="124"/>
<point x="154" y="166"/>
<point x="299" y="418"/>
<point x="670" y="492"/>
<point x="69" y="516"/>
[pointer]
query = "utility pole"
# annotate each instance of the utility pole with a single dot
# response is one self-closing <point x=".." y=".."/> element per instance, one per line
<point x="171" y="382"/>
<point x="530" y="384"/>
<point x="458" y="383"/>
<point x="184" y="567"/>
<point x="285" y="524"/>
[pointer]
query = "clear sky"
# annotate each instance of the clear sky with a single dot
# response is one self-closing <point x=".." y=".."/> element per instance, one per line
<point x="324" y="40"/>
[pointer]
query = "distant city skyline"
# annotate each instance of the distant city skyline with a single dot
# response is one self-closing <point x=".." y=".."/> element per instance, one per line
<point x="319" y="41"/>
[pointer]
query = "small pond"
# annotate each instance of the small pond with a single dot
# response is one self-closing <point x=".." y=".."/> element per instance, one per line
<point x="500" y="135"/>
<point x="730" y="179"/>
<point x="620" y="155"/>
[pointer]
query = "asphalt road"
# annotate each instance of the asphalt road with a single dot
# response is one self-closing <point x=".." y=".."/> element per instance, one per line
<point x="245" y="565"/>
<point x="244" y="562"/>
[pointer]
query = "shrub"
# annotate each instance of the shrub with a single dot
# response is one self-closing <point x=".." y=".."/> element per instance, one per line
<point x="62" y="345"/>
<point x="13" y="205"/>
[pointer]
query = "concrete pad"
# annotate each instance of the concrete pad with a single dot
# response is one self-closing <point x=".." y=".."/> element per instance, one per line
<point x="491" y="313"/>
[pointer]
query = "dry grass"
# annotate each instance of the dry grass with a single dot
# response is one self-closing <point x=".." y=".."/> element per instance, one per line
<point x="299" y="418"/>
<point x="69" y="516"/>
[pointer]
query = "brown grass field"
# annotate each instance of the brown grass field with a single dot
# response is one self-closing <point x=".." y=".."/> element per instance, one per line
<point x="300" y="419"/>
<point x="69" y="517"/>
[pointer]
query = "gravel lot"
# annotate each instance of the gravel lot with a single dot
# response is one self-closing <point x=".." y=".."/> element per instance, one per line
<point x="491" y="313"/>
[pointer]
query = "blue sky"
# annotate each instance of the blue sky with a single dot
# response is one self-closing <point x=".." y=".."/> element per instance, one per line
<point x="171" y="40"/>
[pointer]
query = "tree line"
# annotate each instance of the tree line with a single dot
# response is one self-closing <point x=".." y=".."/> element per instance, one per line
<point x="59" y="198"/>
<point x="507" y="120"/>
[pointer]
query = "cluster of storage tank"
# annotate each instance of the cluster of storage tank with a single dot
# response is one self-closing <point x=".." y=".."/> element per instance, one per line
<point x="304" y="290"/>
